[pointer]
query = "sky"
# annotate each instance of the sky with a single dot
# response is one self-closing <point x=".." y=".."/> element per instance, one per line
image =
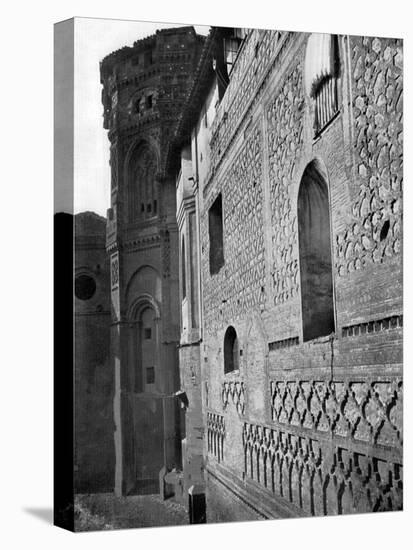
<point x="94" y="39"/>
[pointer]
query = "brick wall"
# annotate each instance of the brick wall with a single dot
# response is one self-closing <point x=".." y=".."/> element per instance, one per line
<point x="315" y="424"/>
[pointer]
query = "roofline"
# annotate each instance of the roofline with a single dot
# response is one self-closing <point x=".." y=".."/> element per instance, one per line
<point x="196" y="95"/>
<point x="125" y="52"/>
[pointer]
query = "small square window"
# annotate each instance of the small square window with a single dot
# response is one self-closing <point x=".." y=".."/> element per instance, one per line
<point x="150" y="375"/>
<point x="147" y="333"/>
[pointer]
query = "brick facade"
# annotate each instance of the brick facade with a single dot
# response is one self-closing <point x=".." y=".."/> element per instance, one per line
<point x="295" y="197"/>
<point x="314" y="427"/>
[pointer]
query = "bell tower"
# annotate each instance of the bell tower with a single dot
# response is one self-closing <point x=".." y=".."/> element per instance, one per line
<point x="144" y="87"/>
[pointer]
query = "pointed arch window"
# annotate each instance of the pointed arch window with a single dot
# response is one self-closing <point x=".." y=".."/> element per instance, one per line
<point x="143" y="190"/>
<point x="231" y="350"/>
<point x="315" y="253"/>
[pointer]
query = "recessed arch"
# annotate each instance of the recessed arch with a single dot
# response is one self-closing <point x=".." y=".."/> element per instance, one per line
<point x="145" y="281"/>
<point x="231" y="350"/>
<point x="142" y="166"/>
<point x="142" y="302"/>
<point x="314" y="236"/>
<point x="136" y="145"/>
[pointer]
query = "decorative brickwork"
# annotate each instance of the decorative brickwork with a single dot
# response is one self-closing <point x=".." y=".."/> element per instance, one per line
<point x="375" y="232"/>
<point x="234" y="392"/>
<point x="282" y="344"/>
<point x="239" y="285"/>
<point x="216" y="435"/>
<point x="320" y="480"/>
<point x="142" y="243"/>
<point x="378" y="325"/>
<point x="285" y="136"/>
<point x="260" y="52"/>
<point x="329" y="439"/>
<point x="368" y="411"/>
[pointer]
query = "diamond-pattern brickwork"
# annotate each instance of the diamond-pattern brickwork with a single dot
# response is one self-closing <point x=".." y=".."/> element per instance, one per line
<point x="374" y="234"/>
<point x="285" y="137"/>
<point x="368" y="411"/>
<point x="240" y="282"/>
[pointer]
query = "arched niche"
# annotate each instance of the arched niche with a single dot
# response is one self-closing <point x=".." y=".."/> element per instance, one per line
<point x="315" y="252"/>
<point x="142" y="169"/>
<point x="144" y="319"/>
<point x="145" y="280"/>
<point x="231" y="350"/>
<point x="145" y="387"/>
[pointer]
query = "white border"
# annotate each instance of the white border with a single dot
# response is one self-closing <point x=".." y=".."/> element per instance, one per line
<point x="26" y="400"/>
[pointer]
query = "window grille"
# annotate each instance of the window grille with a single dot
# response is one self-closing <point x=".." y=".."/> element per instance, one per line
<point x="321" y="73"/>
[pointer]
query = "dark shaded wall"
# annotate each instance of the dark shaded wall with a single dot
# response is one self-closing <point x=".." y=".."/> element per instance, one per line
<point x="94" y="384"/>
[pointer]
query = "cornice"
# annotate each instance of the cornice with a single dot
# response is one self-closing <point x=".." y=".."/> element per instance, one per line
<point x="150" y="241"/>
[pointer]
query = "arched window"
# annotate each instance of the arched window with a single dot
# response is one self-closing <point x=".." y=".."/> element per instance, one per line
<point x="142" y="184"/>
<point x="231" y="351"/>
<point x="315" y="253"/>
<point x="183" y="269"/>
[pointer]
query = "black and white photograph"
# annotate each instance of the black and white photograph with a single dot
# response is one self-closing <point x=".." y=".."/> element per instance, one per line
<point x="238" y="309"/>
<point x="206" y="275"/>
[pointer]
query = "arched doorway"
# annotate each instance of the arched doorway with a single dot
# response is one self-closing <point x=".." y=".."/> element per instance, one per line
<point x="315" y="253"/>
<point x="147" y="397"/>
